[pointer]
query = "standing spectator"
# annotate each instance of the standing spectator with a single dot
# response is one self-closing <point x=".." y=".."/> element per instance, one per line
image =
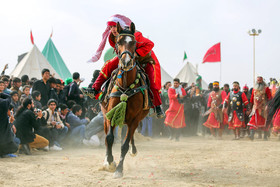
<point x="24" y="80"/>
<point x="175" y="117"/>
<point x="25" y="93"/>
<point x="43" y="86"/>
<point x="36" y="96"/>
<point x="53" y="94"/>
<point x="15" y="100"/>
<point x="6" y="84"/>
<point x="74" y="92"/>
<point x="77" y="125"/>
<point x="16" y="85"/>
<point x="197" y="102"/>
<point x="7" y="144"/>
<point x="59" y="91"/>
<point x="147" y="123"/>
<point x="26" y="122"/>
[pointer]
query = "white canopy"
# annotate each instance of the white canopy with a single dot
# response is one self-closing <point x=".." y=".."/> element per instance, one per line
<point x="189" y="74"/>
<point x="32" y="65"/>
<point x="165" y="76"/>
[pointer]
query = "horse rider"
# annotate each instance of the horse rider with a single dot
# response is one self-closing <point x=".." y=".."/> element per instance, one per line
<point x="143" y="53"/>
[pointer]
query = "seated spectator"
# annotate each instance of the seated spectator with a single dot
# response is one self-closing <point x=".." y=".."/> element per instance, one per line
<point x="2" y="86"/>
<point x="25" y="93"/>
<point x="95" y="135"/>
<point x="55" y="125"/>
<point x="77" y="125"/>
<point x="64" y="111"/>
<point x="16" y="85"/>
<point x="6" y="84"/>
<point x="12" y="126"/>
<point x="53" y="94"/>
<point x="15" y="100"/>
<point x="7" y="145"/>
<point x="36" y="96"/>
<point x="26" y="121"/>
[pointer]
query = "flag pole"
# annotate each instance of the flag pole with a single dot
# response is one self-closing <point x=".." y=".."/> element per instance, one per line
<point x="220" y="65"/>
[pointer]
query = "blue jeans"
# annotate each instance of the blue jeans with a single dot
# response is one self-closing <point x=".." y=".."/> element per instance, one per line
<point x="77" y="134"/>
<point x="60" y="134"/>
<point x="147" y="122"/>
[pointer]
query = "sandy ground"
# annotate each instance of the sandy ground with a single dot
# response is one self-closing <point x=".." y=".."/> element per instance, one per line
<point x="193" y="161"/>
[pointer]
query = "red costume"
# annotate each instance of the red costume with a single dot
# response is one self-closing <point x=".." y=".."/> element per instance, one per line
<point x="143" y="47"/>
<point x="215" y="119"/>
<point x="276" y="121"/>
<point x="259" y="100"/>
<point x="236" y="106"/>
<point x="175" y="117"/>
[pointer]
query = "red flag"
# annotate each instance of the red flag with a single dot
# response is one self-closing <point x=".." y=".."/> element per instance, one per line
<point x="31" y="37"/>
<point x="213" y="54"/>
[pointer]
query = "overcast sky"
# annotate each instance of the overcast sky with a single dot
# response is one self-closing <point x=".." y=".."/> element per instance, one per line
<point x="174" y="26"/>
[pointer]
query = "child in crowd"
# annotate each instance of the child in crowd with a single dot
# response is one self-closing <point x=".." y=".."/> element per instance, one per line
<point x="26" y="93"/>
<point x="36" y="96"/>
<point x="2" y="86"/>
<point x="11" y="122"/>
<point x="15" y="100"/>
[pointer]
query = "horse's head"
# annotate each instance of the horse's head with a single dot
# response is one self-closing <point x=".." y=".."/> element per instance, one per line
<point x="126" y="46"/>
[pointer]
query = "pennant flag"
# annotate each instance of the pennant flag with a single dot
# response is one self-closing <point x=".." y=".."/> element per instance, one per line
<point x="213" y="54"/>
<point x="185" y="56"/>
<point x="31" y="37"/>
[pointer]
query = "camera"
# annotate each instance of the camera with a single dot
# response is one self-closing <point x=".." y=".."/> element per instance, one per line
<point x="37" y="110"/>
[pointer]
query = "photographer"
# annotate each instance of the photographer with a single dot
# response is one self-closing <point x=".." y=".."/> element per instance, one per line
<point x="7" y="144"/>
<point x="26" y="121"/>
<point x="54" y="124"/>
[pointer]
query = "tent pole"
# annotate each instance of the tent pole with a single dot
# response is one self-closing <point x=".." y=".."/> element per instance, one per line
<point x="220" y="72"/>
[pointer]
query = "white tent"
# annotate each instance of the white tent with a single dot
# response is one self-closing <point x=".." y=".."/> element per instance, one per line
<point x="188" y="74"/>
<point x="165" y="76"/>
<point x="32" y="65"/>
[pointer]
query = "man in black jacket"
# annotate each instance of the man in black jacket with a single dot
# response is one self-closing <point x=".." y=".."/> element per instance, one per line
<point x="74" y="91"/>
<point x="43" y="87"/>
<point x="26" y="121"/>
<point x="7" y="144"/>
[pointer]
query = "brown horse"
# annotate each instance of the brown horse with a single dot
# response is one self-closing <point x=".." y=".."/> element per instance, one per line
<point x="127" y="74"/>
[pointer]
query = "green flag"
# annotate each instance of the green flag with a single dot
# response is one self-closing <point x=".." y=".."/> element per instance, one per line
<point x="185" y="56"/>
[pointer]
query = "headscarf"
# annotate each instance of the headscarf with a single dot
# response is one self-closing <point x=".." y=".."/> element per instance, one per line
<point x="113" y="20"/>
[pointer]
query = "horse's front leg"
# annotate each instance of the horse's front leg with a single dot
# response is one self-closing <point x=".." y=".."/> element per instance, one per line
<point x="109" y="164"/>
<point x="133" y="152"/>
<point x="124" y="149"/>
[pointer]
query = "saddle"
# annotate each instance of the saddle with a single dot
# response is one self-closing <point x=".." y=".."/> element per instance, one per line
<point x="144" y="87"/>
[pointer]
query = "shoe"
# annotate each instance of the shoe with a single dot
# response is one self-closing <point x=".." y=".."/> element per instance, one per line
<point x="9" y="156"/>
<point x="47" y="148"/>
<point x="55" y="148"/>
<point x="159" y="111"/>
<point x="25" y="149"/>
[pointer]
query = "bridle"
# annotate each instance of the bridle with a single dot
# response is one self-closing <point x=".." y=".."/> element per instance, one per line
<point x="126" y="51"/>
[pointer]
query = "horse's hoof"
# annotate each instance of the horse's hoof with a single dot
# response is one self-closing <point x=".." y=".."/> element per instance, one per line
<point x="133" y="155"/>
<point x="110" y="167"/>
<point x="117" y="175"/>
